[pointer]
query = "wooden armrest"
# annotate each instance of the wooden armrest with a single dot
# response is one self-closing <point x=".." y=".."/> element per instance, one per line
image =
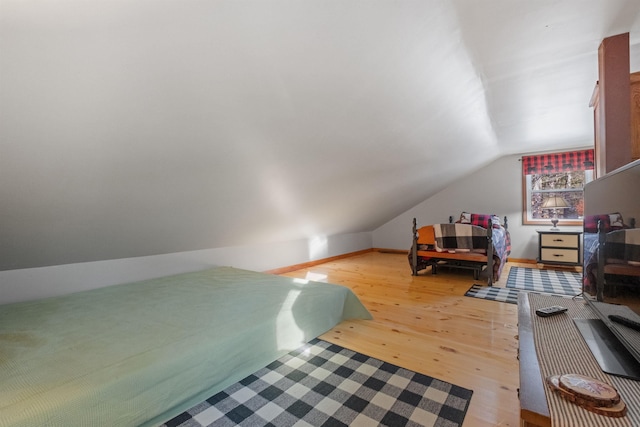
<point x="426" y="235"/>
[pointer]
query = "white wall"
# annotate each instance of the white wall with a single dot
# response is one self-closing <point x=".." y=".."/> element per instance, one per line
<point x="34" y="283"/>
<point x="495" y="189"/>
<point x="136" y="128"/>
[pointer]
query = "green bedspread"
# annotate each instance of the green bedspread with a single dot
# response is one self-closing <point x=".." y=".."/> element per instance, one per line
<point x="141" y="353"/>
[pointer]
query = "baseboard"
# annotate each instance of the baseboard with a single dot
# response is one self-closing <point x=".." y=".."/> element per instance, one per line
<point x="391" y="251"/>
<point x="406" y="252"/>
<point x="308" y="264"/>
<point x="536" y="264"/>
<point x="522" y="260"/>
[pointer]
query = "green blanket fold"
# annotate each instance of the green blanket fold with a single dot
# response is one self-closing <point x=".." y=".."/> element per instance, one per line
<point x="140" y="353"/>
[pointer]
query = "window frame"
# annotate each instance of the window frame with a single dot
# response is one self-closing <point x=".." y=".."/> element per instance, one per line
<point x="527" y="195"/>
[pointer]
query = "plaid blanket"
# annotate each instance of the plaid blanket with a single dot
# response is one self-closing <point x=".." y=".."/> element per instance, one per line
<point x="459" y="236"/>
<point x="467" y="237"/>
<point x="501" y="244"/>
<point x="623" y="244"/>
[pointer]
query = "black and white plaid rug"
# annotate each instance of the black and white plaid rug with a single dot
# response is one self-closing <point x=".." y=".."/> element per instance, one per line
<point x="493" y="293"/>
<point x="322" y="384"/>
<point x="556" y="282"/>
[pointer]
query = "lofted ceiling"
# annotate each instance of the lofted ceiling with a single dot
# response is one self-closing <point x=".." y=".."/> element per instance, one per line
<point x="141" y="127"/>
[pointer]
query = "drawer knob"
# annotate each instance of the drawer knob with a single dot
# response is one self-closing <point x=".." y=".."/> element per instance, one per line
<point x="558" y="240"/>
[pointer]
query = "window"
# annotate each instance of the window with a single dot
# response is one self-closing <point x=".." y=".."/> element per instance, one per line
<point x="558" y="174"/>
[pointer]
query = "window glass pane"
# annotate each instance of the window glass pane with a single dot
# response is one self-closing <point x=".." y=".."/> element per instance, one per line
<point x="568" y="185"/>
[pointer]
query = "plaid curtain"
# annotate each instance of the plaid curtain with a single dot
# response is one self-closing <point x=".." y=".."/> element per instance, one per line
<point x="557" y="162"/>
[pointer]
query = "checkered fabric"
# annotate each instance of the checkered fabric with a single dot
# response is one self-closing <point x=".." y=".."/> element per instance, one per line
<point x="493" y="293"/>
<point x="557" y="282"/>
<point x="557" y="162"/>
<point x="323" y="384"/>
<point x="560" y="283"/>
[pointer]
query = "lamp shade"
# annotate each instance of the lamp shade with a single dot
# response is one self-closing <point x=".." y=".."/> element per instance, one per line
<point x="554" y="202"/>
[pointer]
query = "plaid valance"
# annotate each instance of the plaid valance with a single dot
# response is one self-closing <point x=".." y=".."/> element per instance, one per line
<point x="557" y="162"/>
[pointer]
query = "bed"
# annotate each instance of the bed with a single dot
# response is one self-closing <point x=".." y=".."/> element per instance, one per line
<point x="475" y="241"/>
<point x="141" y="353"/>
<point x="619" y="266"/>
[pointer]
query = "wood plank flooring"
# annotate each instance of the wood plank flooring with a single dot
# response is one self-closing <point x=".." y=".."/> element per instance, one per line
<point x="426" y="324"/>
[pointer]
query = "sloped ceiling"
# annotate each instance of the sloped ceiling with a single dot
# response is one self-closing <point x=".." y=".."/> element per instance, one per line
<point x="142" y="127"/>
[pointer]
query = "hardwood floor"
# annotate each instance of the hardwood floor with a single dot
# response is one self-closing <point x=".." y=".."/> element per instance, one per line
<point x="426" y="324"/>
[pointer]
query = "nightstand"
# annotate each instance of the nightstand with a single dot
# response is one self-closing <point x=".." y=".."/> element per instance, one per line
<point x="559" y="247"/>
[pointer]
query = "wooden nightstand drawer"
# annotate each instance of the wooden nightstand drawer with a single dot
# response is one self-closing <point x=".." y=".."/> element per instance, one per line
<point x="559" y="247"/>
<point x="559" y="255"/>
<point x="558" y="240"/>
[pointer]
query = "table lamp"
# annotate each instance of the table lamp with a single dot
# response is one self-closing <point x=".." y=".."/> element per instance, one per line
<point x="555" y="203"/>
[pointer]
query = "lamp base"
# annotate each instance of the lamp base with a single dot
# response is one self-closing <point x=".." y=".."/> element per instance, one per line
<point x="554" y="221"/>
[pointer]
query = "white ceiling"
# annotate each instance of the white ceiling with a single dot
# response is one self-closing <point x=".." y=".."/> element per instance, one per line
<point x="140" y="127"/>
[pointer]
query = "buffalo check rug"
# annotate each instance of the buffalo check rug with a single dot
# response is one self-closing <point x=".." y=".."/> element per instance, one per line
<point x="323" y="384"/>
<point x="554" y="282"/>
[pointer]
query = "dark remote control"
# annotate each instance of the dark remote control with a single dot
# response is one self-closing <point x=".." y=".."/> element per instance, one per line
<point x="550" y="311"/>
<point x="624" y="321"/>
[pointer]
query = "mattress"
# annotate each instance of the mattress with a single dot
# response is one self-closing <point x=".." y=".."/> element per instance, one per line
<point x="141" y="353"/>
